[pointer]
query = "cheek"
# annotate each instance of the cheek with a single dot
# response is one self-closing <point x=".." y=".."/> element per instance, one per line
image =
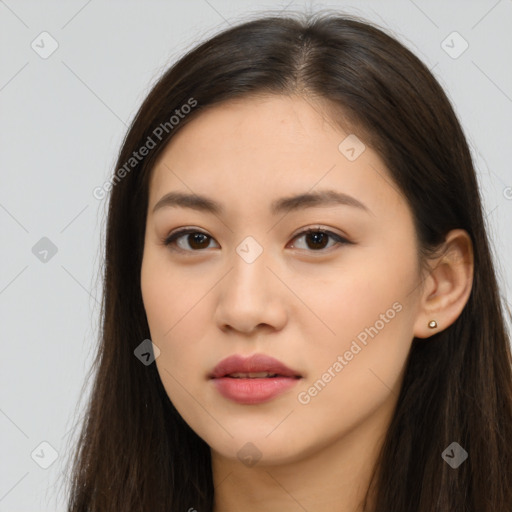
<point x="178" y="316"/>
<point x="174" y="312"/>
<point x="369" y="311"/>
<point x="362" y="293"/>
<point x="171" y="296"/>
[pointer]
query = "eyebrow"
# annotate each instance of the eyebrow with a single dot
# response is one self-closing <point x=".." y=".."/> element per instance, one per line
<point x="282" y="205"/>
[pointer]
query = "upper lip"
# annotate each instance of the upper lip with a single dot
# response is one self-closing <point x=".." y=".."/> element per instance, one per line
<point x="252" y="364"/>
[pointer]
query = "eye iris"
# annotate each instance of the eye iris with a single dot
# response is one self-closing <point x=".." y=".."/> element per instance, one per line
<point x="200" y="238"/>
<point x="315" y="239"/>
<point x="318" y="237"/>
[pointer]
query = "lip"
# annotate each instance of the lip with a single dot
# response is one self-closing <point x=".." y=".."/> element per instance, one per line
<point x="251" y="391"/>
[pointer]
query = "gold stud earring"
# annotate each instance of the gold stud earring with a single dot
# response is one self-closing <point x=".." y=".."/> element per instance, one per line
<point x="432" y="324"/>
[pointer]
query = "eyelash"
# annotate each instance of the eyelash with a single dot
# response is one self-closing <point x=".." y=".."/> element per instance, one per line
<point x="171" y="239"/>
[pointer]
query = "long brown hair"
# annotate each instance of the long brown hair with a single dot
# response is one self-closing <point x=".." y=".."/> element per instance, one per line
<point x="135" y="452"/>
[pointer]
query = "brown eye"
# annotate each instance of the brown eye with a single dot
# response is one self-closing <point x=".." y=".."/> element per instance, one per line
<point x="196" y="240"/>
<point x="318" y="239"/>
<point x="192" y="240"/>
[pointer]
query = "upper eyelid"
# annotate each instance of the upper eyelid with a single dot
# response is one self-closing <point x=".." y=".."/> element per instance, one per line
<point x="307" y="227"/>
<point x="302" y="231"/>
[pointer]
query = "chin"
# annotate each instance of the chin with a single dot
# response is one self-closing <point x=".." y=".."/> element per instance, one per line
<point x="252" y="447"/>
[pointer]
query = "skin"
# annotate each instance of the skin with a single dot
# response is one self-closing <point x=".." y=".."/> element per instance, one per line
<point x="301" y="305"/>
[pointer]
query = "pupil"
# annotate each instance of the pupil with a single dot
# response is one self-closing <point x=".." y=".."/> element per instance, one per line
<point x="196" y="237"/>
<point x="317" y="239"/>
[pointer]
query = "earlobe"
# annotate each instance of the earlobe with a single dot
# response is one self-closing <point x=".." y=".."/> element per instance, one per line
<point x="448" y="285"/>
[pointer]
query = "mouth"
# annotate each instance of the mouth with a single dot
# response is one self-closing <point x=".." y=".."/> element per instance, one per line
<point x="259" y="375"/>
<point x="257" y="366"/>
<point x="252" y="380"/>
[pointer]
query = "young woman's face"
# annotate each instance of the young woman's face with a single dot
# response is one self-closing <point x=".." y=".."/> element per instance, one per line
<point x="336" y="307"/>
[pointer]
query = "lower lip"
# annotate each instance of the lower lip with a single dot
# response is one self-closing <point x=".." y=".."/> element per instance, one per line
<point x="253" y="391"/>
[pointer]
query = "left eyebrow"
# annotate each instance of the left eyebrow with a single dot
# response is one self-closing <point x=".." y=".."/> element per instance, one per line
<point x="312" y="199"/>
<point x="282" y="205"/>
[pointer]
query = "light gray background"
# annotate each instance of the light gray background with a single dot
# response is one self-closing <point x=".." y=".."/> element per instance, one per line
<point x="62" y="121"/>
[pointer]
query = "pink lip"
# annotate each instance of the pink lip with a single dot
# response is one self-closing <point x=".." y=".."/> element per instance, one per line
<point x="252" y="391"/>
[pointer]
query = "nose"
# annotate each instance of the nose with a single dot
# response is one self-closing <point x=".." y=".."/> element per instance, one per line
<point x="250" y="298"/>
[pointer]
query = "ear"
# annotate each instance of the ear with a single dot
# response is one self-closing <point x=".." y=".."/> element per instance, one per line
<point x="447" y="286"/>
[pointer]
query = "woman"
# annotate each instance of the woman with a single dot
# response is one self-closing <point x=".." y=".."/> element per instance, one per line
<point x="300" y="308"/>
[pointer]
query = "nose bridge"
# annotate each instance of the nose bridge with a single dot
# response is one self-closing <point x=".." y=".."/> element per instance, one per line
<point x="249" y="274"/>
<point x="250" y="292"/>
<point x="250" y="250"/>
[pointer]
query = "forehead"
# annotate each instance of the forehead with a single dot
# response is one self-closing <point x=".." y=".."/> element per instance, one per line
<point x="264" y="120"/>
<point x="250" y="150"/>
